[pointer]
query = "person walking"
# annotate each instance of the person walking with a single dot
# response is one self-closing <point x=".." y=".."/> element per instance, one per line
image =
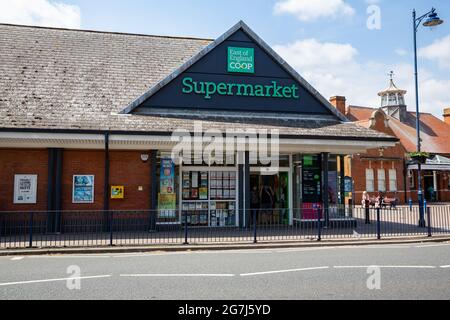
<point x="255" y="204"/>
<point x="366" y="206"/>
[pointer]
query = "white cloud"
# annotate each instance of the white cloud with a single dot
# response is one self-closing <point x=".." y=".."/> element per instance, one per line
<point x="40" y="12"/>
<point x="438" y="51"/>
<point x="312" y="53"/>
<point x="401" y="52"/>
<point x="334" y="69"/>
<point x="308" y="10"/>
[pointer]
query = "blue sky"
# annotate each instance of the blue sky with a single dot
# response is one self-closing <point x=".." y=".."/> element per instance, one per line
<point x="327" y="41"/>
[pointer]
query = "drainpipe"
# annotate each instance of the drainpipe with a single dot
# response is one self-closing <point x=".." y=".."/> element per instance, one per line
<point x="106" y="183"/>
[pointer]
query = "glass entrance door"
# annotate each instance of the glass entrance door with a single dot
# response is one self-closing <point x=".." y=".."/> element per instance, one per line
<point x="270" y="197"/>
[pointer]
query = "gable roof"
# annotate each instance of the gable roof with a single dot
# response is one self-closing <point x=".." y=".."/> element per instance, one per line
<point x="435" y="133"/>
<point x="246" y="29"/>
<point x="73" y="80"/>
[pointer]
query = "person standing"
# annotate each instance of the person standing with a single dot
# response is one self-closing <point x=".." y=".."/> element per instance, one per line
<point x="267" y="201"/>
<point x="366" y="206"/>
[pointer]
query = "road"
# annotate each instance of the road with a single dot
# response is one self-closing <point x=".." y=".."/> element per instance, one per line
<point x="413" y="271"/>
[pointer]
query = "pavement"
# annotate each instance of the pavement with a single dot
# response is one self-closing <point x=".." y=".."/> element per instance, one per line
<point x="218" y="246"/>
<point x="417" y="271"/>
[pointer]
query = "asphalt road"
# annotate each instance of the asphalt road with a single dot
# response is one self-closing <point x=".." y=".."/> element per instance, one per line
<point x="411" y="271"/>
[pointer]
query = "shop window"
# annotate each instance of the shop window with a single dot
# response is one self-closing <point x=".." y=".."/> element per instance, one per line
<point x="381" y="180"/>
<point x="209" y="198"/>
<point x="370" y="181"/>
<point x="393" y="180"/>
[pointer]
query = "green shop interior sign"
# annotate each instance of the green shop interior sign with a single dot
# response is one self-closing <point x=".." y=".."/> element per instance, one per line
<point x="209" y="89"/>
<point x="241" y="60"/>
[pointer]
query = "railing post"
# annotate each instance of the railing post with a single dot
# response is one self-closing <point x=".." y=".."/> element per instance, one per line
<point x="186" y="242"/>
<point x="429" y="222"/>
<point x="30" y="226"/>
<point x="319" y="224"/>
<point x="111" y="228"/>
<point x="378" y="223"/>
<point x="255" y="235"/>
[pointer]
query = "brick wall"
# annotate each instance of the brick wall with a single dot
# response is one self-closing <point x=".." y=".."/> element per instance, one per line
<point x="128" y="170"/>
<point x="81" y="162"/>
<point x="18" y="161"/>
<point x="391" y="158"/>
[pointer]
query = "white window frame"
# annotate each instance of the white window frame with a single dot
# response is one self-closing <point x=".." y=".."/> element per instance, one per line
<point x="370" y="180"/>
<point x="393" y="180"/>
<point x="381" y="175"/>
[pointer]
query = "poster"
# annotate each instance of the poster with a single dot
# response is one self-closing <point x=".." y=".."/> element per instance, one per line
<point x="167" y="176"/>
<point x="25" y="189"/>
<point x="167" y="202"/>
<point x="203" y="193"/>
<point x="167" y="198"/>
<point x="83" y="189"/>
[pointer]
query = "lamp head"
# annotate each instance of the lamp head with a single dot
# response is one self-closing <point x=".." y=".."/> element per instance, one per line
<point x="433" y="20"/>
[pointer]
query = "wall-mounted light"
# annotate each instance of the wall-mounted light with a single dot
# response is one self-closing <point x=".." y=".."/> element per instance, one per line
<point x="145" y="157"/>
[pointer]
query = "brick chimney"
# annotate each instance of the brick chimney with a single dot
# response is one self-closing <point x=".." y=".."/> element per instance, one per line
<point x="447" y="115"/>
<point x="339" y="103"/>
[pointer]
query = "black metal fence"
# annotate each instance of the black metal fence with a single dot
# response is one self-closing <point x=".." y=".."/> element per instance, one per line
<point x="141" y="228"/>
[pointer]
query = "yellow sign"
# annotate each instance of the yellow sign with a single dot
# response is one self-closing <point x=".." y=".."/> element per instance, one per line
<point x="117" y="192"/>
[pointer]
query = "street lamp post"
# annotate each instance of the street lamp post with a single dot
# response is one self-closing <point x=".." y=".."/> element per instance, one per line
<point x="432" y="21"/>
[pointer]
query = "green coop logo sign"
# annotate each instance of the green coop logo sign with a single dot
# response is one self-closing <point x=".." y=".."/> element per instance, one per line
<point x="241" y="60"/>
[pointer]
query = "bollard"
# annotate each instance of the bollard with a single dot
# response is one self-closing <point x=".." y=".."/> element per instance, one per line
<point x="429" y="222"/>
<point x="110" y="215"/>
<point x="255" y="235"/>
<point x="378" y="223"/>
<point x="30" y="226"/>
<point x="186" y="242"/>
<point x="319" y="223"/>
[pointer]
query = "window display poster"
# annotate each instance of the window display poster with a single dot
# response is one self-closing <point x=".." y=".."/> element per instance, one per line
<point x="203" y="193"/>
<point x="194" y="180"/>
<point x="167" y="204"/>
<point x="25" y="189"/>
<point x="83" y="189"/>
<point x="167" y="176"/>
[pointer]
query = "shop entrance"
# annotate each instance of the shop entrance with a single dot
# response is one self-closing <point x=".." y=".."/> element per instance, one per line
<point x="429" y="191"/>
<point x="270" y="197"/>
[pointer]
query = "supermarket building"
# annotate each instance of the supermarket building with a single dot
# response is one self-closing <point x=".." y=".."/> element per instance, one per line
<point x="87" y="123"/>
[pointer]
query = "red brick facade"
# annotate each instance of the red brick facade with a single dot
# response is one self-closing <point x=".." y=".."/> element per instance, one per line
<point x="126" y="169"/>
<point x="391" y="158"/>
<point x="29" y="161"/>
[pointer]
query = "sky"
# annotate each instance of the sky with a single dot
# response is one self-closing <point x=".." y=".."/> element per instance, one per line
<point x="342" y="47"/>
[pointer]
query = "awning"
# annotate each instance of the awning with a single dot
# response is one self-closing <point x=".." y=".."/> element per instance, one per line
<point x="438" y="163"/>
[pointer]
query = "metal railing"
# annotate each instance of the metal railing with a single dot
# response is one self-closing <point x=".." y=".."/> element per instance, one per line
<point x="144" y="228"/>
